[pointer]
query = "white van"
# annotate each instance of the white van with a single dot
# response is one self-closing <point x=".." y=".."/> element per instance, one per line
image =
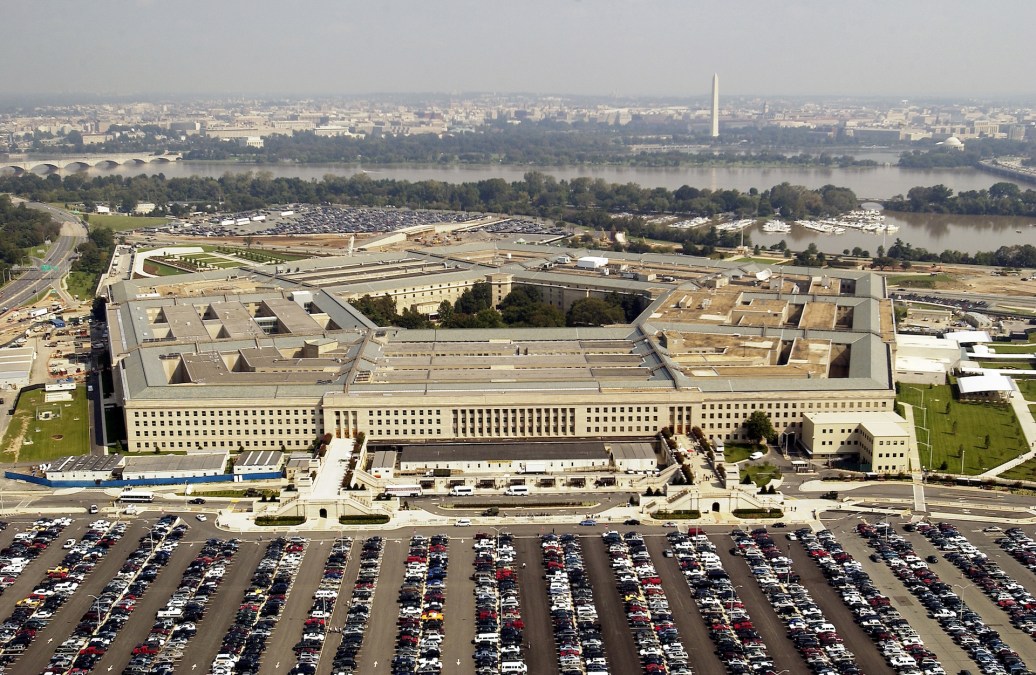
<point x="462" y="491"/>
<point x="517" y="491"/>
<point x="493" y="638"/>
<point x="511" y="667"/>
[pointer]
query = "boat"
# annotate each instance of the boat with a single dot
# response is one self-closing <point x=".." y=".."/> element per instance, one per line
<point x="776" y="226"/>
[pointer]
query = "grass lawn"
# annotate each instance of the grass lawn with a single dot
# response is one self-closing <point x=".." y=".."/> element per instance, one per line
<point x="1026" y="471"/>
<point x="82" y="284"/>
<point x="918" y="280"/>
<point x="963" y="431"/>
<point x="1013" y="364"/>
<point x="120" y="223"/>
<point x="736" y="453"/>
<point x="67" y="435"/>
<point x="762" y="261"/>
<point x="152" y="266"/>
<point x="761" y="473"/>
<point x="256" y="254"/>
<point x="1016" y="348"/>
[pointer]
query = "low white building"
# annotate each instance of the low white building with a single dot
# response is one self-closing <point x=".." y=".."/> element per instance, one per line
<point x="15" y="366"/>
<point x="925" y="359"/>
<point x="634" y="457"/>
<point x="258" y="461"/>
<point x="881" y="439"/>
<point x="591" y="262"/>
<point x="172" y="467"/>
<point x="143" y="208"/>
<point x="83" y="467"/>
<point x="505" y="458"/>
<point x="383" y="464"/>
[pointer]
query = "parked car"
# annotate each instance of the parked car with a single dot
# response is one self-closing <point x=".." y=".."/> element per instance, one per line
<point x="196" y="500"/>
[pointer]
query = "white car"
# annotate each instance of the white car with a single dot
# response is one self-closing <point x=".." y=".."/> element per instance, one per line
<point x="755" y="455"/>
<point x="201" y="517"/>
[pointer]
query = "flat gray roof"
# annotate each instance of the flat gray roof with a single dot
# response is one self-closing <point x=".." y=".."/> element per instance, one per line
<point x="259" y="458"/>
<point x="101" y="463"/>
<point x="384" y="459"/>
<point x="469" y="452"/>
<point x="195" y="462"/>
<point x="632" y="450"/>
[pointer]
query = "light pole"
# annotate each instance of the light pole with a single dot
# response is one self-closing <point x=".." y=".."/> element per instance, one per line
<point x="97" y="608"/>
<point x="960" y="597"/>
<point x="733" y="595"/>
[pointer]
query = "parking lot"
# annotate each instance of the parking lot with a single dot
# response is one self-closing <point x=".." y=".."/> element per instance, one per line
<point x="566" y="602"/>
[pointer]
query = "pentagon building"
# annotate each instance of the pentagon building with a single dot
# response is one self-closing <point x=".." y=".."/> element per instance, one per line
<point x="272" y="356"/>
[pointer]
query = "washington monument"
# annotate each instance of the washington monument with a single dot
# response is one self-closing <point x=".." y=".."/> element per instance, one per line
<point x="715" y="105"/>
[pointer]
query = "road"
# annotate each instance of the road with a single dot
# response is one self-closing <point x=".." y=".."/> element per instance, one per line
<point x="33" y="282"/>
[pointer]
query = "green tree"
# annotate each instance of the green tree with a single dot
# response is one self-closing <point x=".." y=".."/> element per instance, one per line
<point x="593" y="312"/>
<point x="758" y="426"/>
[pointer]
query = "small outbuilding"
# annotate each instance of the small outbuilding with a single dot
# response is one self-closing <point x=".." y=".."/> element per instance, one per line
<point x="174" y="467"/>
<point x="83" y="467"/>
<point x="258" y="461"/>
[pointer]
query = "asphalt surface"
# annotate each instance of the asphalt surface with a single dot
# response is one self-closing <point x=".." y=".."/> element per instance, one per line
<point x="143" y="617"/>
<point x="764" y="618"/>
<point x="992" y="615"/>
<point x="62" y="624"/>
<point x="220" y="610"/>
<point x="31" y="283"/>
<point x="619" y="646"/>
<point x="340" y="614"/>
<point x="835" y="611"/>
<point x="380" y="640"/>
<point x="694" y="634"/>
<point x="539" y="630"/>
<point x="459" y="608"/>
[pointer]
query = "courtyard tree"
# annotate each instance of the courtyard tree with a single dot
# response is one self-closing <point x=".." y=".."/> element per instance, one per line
<point x="758" y="426"/>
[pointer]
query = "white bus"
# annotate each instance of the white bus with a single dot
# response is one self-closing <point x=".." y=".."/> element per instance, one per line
<point x="136" y="496"/>
<point x="404" y="490"/>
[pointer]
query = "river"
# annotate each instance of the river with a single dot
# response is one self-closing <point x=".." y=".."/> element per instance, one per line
<point x="930" y="231"/>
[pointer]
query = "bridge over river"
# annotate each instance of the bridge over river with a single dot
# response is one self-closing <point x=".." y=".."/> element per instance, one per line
<point x="79" y="162"/>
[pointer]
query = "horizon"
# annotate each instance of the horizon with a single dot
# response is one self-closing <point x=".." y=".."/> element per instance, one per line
<point x="608" y="48"/>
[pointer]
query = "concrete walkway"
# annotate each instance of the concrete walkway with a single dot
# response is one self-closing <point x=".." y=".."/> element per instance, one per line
<point x="1028" y="425"/>
<point x="916" y="468"/>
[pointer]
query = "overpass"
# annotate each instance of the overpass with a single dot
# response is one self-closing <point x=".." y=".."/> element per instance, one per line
<point x="79" y="162"/>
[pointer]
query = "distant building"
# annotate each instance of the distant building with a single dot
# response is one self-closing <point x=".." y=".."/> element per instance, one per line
<point x="715" y="105"/>
<point x="143" y="208"/>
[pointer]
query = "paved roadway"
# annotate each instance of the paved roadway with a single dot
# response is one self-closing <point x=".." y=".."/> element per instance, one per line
<point x="342" y="604"/>
<point x="539" y="629"/>
<point x="31" y="283"/>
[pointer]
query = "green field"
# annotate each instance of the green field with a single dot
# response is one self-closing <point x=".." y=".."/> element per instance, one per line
<point x="918" y="280"/>
<point x="974" y="423"/>
<point x="1016" y="348"/>
<point x="82" y="284"/>
<point x="736" y="453"/>
<point x="120" y="223"/>
<point x="761" y="473"/>
<point x="152" y="266"/>
<point x="255" y="254"/>
<point x="67" y="435"/>
<point x="1028" y="389"/>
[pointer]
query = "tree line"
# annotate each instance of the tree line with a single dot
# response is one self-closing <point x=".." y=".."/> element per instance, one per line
<point x="523" y="307"/>
<point x="1001" y="199"/>
<point x="21" y="229"/>
<point x="531" y="143"/>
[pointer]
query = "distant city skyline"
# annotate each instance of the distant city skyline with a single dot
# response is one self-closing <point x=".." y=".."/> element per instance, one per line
<point x="621" y="48"/>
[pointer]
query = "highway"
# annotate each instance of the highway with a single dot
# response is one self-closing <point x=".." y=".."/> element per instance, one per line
<point x="33" y="282"/>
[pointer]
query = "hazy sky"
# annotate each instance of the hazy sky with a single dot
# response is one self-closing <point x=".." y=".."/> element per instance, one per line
<point x="902" y="48"/>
